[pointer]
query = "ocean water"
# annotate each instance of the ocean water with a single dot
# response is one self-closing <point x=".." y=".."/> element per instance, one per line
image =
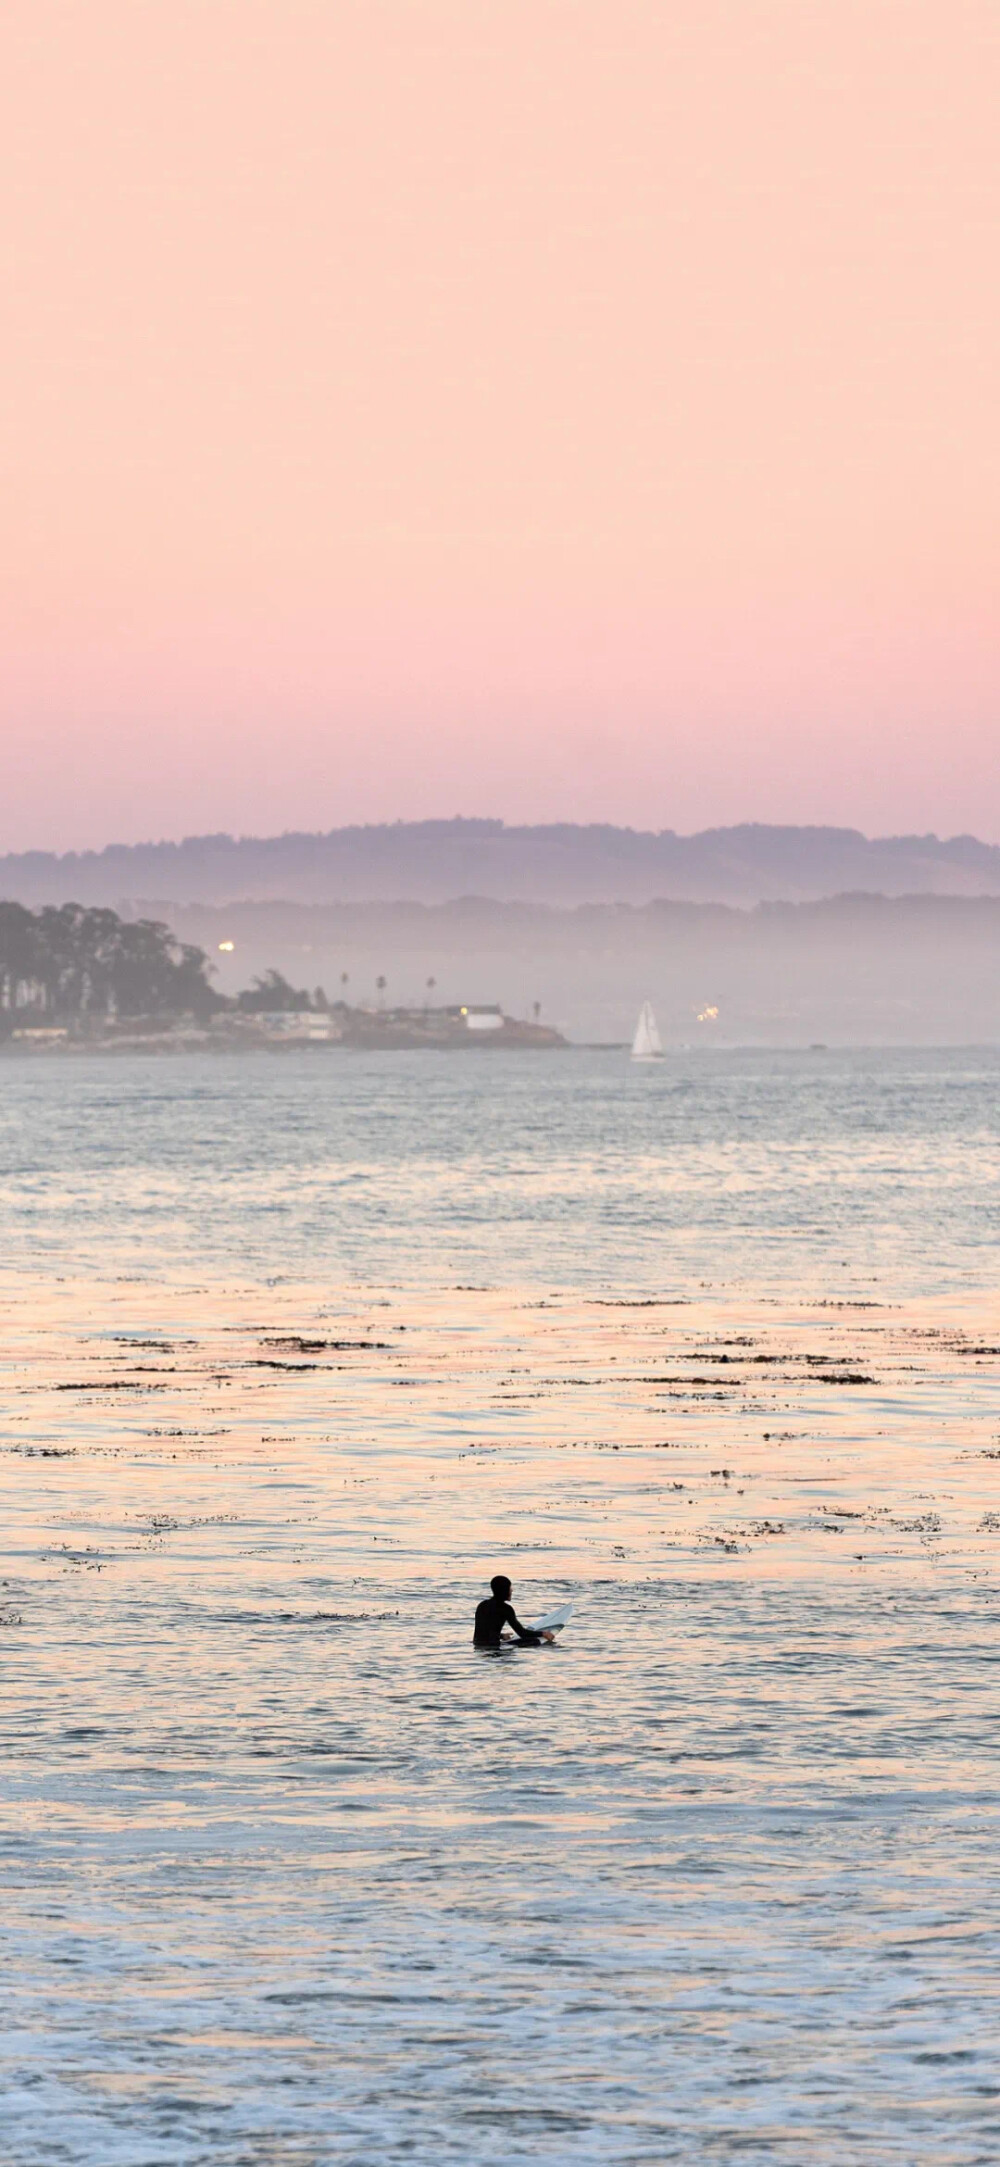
<point x="297" y="1351"/>
<point x="747" y="1169"/>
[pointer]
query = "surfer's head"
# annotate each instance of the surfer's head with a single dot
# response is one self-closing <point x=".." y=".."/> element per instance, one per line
<point x="501" y="1587"/>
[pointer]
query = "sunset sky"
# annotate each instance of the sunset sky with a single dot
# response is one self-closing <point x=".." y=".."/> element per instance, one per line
<point x="574" y="409"/>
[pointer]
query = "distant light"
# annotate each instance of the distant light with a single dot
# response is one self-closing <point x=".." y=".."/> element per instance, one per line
<point x="708" y="1015"/>
<point x="226" y="948"/>
<point x="463" y="1011"/>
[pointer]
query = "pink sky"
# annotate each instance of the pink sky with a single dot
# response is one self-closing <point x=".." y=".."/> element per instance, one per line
<point x="547" y="408"/>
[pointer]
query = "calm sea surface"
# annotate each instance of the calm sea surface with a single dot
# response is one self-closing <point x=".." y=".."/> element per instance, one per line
<point x="296" y="1351"/>
<point x="757" y="1170"/>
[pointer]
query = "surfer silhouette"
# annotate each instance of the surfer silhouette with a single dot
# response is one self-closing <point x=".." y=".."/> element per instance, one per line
<point x="496" y="1611"/>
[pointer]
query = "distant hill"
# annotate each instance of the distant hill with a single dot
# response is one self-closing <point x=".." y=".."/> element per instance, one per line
<point x="434" y="861"/>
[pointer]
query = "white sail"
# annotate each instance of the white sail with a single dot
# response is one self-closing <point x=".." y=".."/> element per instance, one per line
<point x="646" y="1043"/>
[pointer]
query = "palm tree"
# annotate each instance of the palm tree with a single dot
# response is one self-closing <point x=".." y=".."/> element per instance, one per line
<point x="380" y="986"/>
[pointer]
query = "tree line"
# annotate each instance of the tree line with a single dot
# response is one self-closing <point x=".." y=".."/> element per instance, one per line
<point x="69" y="963"/>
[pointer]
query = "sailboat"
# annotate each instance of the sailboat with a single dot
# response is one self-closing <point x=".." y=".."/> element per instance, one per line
<point x="646" y="1043"/>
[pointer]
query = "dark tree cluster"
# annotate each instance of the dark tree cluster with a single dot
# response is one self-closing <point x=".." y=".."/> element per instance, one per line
<point x="69" y="963"/>
<point x="273" y="995"/>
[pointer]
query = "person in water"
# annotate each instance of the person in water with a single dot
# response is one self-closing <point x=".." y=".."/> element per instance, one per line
<point x="496" y="1611"/>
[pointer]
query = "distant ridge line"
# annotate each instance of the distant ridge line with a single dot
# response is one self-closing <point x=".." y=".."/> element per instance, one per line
<point x="565" y="863"/>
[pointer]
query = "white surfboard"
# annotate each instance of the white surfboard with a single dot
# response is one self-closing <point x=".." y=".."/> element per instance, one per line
<point x="555" y="1621"/>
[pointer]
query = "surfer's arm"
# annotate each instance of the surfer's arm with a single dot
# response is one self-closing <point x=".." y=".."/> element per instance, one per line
<point x="524" y="1632"/>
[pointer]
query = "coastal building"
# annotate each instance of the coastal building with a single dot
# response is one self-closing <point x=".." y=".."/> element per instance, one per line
<point x="479" y="1019"/>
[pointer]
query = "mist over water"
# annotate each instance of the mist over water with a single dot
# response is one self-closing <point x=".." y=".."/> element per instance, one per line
<point x="297" y="1351"/>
